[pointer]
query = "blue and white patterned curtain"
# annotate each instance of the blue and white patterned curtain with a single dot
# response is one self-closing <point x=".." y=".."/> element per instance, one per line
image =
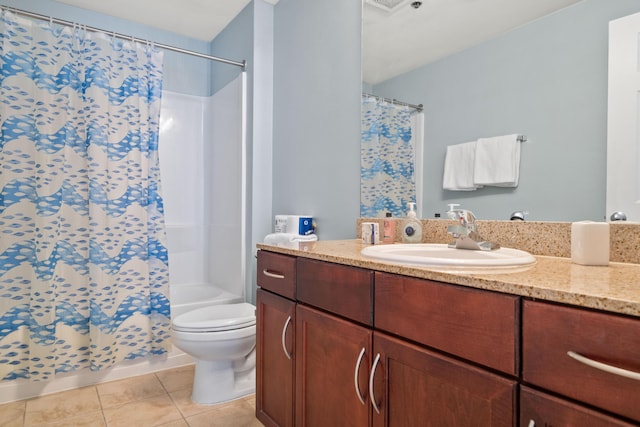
<point x="83" y="266"/>
<point x="387" y="170"/>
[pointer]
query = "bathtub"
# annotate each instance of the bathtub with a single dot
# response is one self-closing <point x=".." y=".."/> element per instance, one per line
<point x="189" y="297"/>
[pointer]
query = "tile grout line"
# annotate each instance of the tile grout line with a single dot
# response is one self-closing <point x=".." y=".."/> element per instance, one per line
<point x="175" y="404"/>
<point x="104" y="417"/>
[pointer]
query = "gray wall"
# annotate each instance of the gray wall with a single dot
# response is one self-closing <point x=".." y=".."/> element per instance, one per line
<point x="547" y="80"/>
<point x="316" y="153"/>
<point x="261" y="119"/>
<point x="235" y="42"/>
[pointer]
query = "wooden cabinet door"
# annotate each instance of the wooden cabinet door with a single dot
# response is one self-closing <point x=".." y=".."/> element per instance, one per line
<point x="275" y="367"/>
<point x="540" y="410"/>
<point x="333" y="356"/>
<point x="416" y="387"/>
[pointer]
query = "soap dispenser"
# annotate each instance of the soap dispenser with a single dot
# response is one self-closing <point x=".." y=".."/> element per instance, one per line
<point x="412" y="227"/>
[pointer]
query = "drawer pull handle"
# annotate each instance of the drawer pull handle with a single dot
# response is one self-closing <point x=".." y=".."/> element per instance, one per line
<point x="284" y="333"/>
<point x="373" y="374"/>
<point x="355" y="378"/>
<point x="604" y="367"/>
<point x="272" y="275"/>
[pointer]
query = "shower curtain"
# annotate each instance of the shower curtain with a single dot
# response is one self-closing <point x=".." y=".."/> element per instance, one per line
<point x="387" y="170"/>
<point x="83" y="266"/>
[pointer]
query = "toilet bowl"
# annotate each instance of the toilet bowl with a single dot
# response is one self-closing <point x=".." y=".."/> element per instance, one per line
<point x="221" y="339"/>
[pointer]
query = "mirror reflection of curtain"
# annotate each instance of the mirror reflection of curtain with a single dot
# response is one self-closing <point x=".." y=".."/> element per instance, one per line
<point x="84" y="280"/>
<point x="387" y="169"/>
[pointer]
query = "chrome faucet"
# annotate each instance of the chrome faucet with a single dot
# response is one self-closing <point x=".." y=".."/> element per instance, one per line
<point x="465" y="232"/>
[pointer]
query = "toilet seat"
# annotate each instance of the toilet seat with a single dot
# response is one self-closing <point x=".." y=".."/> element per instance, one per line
<point x="222" y="317"/>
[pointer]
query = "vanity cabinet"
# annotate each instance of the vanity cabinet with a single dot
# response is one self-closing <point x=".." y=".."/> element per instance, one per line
<point x="413" y="382"/>
<point x="588" y="356"/>
<point x="341" y="345"/>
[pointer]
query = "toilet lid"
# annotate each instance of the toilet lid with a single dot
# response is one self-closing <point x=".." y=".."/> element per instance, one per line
<point x="221" y="317"/>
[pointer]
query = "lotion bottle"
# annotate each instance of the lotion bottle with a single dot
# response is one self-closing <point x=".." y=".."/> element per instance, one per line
<point x="412" y="227"/>
<point x="388" y="229"/>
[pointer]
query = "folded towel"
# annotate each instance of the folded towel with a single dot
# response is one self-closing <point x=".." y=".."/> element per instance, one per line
<point x="458" y="167"/>
<point x="497" y="161"/>
<point x="281" y="238"/>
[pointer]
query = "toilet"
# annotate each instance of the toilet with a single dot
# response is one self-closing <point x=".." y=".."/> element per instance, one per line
<point x="221" y="339"/>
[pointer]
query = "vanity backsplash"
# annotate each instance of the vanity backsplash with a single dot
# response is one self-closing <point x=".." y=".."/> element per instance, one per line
<point x="537" y="237"/>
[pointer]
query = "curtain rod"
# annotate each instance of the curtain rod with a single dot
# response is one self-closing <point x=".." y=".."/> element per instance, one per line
<point x="242" y="64"/>
<point x="418" y="107"/>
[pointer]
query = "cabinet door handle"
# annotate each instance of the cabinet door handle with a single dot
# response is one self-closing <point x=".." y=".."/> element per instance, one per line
<point x="284" y="333"/>
<point x="355" y="377"/>
<point x="604" y="367"/>
<point x="532" y="423"/>
<point x="272" y="275"/>
<point x="373" y="374"/>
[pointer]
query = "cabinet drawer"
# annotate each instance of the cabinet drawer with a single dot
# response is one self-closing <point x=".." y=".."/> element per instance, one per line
<point x="550" y="332"/>
<point x="477" y="325"/>
<point x="277" y="273"/>
<point x="546" y="410"/>
<point x="340" y="289"/>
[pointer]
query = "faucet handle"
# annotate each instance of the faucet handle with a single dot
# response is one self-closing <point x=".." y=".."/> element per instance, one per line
<point x="463" y="215"/>
<point x="465" y="232"/>
<point x="453" y="212"/>
<point x="469" y="216"/>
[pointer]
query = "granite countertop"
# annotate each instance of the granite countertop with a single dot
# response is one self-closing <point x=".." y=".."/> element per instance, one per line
<point x="615" y="288"/>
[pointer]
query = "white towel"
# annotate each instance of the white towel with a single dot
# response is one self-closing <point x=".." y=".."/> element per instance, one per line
<point x="497" y="161"/>
<point x="283" y="238"/>
<point x="458" y="167"/>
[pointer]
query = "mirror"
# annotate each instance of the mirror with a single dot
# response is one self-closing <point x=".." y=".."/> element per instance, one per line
<point x="543" y="77"/>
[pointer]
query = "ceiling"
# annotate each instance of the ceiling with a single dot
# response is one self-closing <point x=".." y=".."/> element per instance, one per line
<point x="393" y="42"/>
<point x="198" y="19"/>
<point x="407" y="38"/>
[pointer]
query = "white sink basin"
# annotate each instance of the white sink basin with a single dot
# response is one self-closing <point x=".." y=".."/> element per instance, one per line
<point x="436" y="255"/>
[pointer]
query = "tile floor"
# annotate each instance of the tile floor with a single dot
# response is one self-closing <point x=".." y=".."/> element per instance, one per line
<point x="158" y="399"/>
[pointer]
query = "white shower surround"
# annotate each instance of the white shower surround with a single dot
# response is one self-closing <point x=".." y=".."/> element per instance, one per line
<point x="202" y="160"/>
<point x="203" y="188"/>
